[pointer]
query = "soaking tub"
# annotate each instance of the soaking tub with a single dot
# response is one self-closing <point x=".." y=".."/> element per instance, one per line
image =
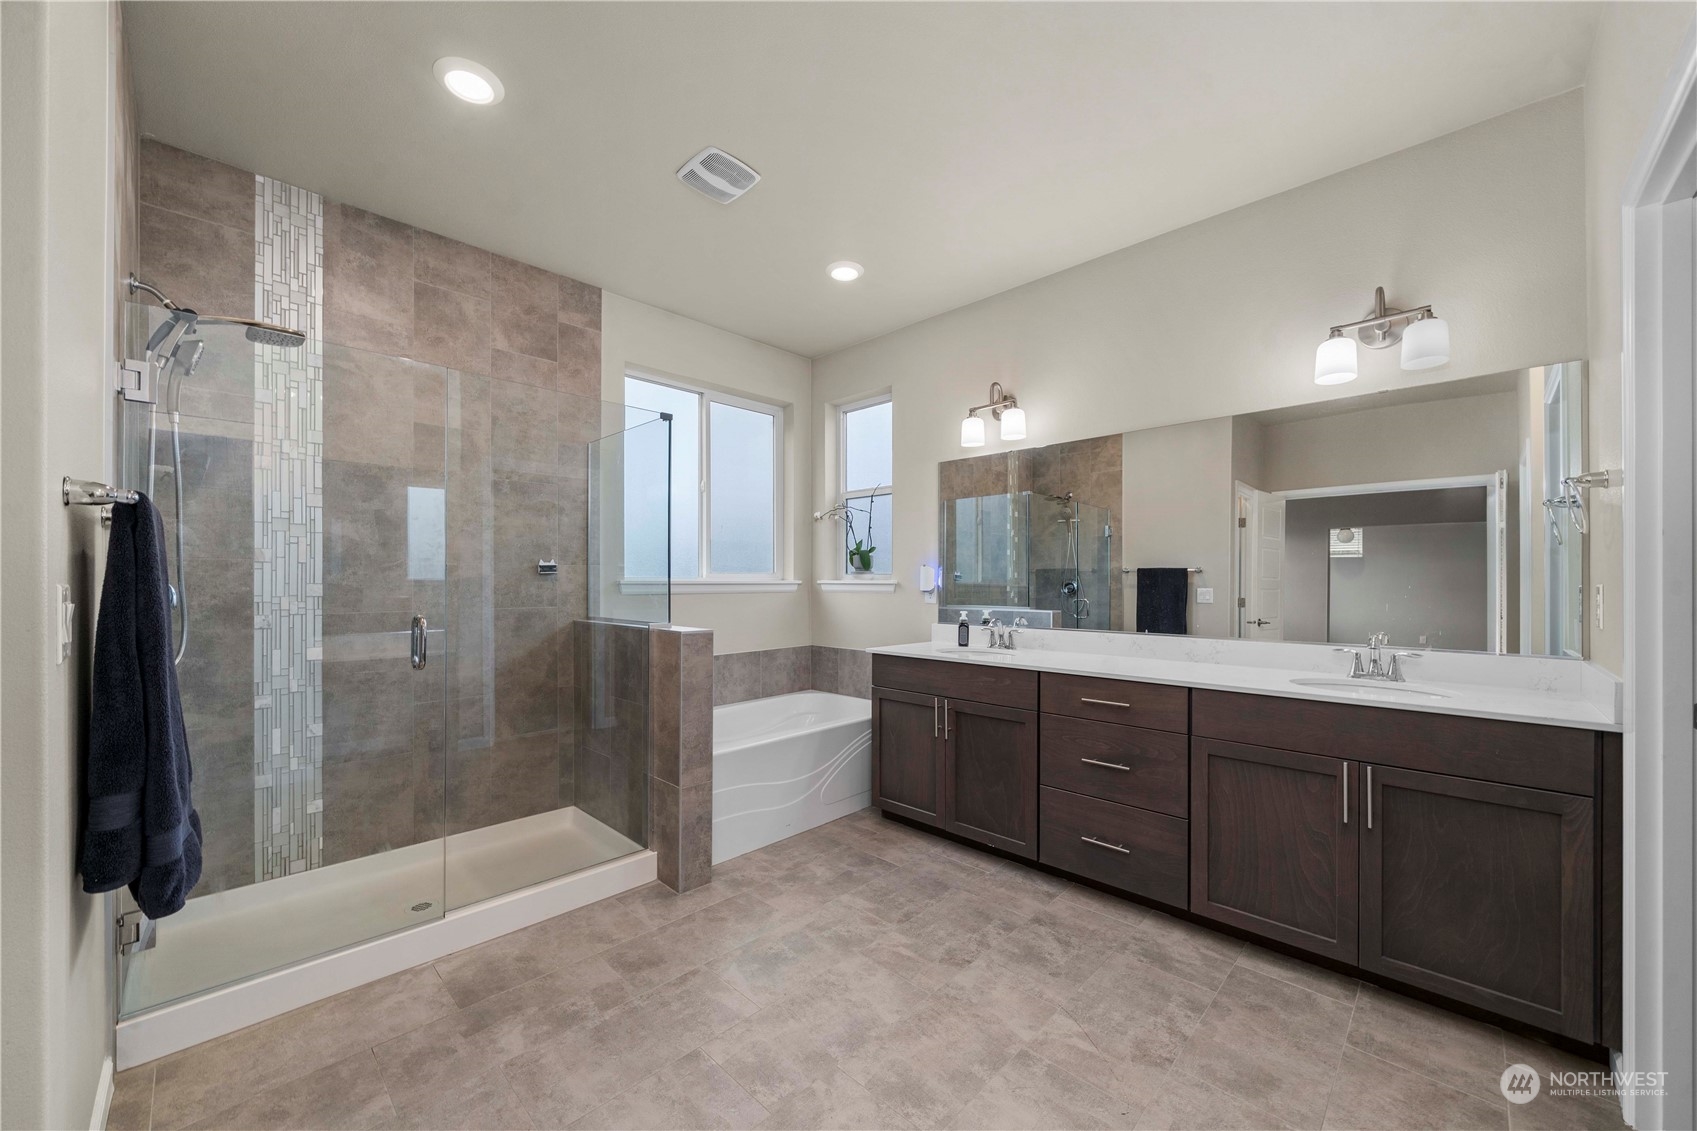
<point x="787" y="764"/>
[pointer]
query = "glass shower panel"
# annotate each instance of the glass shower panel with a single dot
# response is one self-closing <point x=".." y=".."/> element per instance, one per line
<point x="309" y="534"/>
<point x="534" y="790"/>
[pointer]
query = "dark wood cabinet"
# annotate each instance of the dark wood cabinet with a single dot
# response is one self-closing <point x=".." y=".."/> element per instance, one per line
<point x="990" y="775"/>
<point x="1482" y="892"/>
<point x="1477" y="859"/>
<point x="1274" y="844"/>
<point x="907" y="748"/>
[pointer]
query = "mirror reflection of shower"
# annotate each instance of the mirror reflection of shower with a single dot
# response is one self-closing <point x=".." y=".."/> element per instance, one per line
<point x="172" y="354"/>
<point x="1072" y="586"/>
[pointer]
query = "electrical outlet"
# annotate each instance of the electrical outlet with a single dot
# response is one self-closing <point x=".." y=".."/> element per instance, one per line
<point x="1598" y="605"/>
<point x="1204" y="596"/>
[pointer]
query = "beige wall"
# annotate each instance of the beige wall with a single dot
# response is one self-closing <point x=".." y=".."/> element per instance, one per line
<point x="59" y="232"/>
<point x="1634" y="50"/>
<point x="1430" y="440"/>
<point x="634" y="334"/>
<point x="1178" y="512"/>
<point x="1223" y="317"/>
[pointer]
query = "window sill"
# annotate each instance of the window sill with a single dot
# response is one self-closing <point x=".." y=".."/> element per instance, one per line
<point x="708" y="585"/>
<point x="859" y="585"/>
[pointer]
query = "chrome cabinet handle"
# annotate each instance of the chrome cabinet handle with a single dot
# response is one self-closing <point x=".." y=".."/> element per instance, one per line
<point x="1346" y="793"/>
<point x="1105" y="765"/>
<point x="1369" y="797"/>
<point x="936" y="727"/>
<point x="1104" y="844"/>
<point x="945" y="720"/>
<point x="1104" y="702"/>
<point x="420" y="644"/>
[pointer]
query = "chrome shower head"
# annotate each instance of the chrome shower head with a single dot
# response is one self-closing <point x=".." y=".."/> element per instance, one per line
<point x="260" y="333"/>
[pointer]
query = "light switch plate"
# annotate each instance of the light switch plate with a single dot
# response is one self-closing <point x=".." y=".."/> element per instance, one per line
<point x="1204" y="596"/>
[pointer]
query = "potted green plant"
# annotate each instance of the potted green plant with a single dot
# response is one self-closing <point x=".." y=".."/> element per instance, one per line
<point x="860" y="550"/>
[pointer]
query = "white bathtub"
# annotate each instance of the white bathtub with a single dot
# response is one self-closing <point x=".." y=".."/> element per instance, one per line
<point x="787" y="764"/>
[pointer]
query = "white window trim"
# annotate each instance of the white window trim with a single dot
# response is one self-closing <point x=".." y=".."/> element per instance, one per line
<point x="707" y="581"/>
<point x="844" y="581"/>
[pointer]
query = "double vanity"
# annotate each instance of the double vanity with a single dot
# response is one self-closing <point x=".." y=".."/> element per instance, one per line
<point x="1459" y="834"/>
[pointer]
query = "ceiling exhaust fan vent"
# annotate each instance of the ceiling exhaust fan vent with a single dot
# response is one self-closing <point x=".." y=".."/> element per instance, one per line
<point x="716" y="174"/>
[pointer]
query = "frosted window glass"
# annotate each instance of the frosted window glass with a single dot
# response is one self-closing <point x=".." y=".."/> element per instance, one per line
<point x="427" y="533"/>
<point x="867" y="447"/>
<point x="741" y="481"/>
<point x="645" y="452"/>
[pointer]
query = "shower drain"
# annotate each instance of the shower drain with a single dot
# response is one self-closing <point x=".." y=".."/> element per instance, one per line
<point x="422" y="906"/>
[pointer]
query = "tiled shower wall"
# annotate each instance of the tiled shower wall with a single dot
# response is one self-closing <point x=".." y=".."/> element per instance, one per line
<point x="444" y="366"/>
<point x="741" y="676"/>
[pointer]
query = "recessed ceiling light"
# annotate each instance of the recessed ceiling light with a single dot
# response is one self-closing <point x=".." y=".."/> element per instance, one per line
<point x="846" y="271"/>
<point x="470" y="81"/>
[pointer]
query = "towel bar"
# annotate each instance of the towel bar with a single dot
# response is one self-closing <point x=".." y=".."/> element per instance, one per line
<point x="88" y="493"/>
<point x="1187" y="569"/>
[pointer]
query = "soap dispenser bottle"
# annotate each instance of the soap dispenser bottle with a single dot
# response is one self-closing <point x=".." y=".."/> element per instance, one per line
<point x="963" y="632"/>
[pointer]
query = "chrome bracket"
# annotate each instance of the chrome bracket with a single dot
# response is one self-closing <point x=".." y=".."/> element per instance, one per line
<point x="135" y="932"/>
<point x="135" y="382"/>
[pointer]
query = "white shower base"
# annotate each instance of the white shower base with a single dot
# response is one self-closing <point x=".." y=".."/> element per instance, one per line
<point x="278" y="945"/>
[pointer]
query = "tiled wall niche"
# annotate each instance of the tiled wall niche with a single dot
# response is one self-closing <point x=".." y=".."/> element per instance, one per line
<point x="442" y="362"/>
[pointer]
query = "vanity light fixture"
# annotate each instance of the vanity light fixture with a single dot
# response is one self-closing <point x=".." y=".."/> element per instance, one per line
<point x="846" y="270"/>
<point x="1004" y="408"/>
<point x="1425" y="341"/>
<point x="469" y="81"/>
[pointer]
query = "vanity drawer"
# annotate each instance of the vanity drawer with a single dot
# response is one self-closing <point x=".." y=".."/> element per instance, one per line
<point x="1150" y="705"/>
<point x="1130" y="849"/>
<point x="952" y="679"/>
<point x="1562" y="759"/>
<point x="1127" y="765"/>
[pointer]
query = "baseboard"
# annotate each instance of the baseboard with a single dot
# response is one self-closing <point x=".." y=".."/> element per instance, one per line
<point x="102" y="1097"/>
<point x="179" y="1025"/>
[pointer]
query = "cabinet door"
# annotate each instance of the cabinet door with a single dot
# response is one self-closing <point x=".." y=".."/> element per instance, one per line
<point x="1484" y="893"/>
<point x="990" y="775"/>
<point x="1274" y="845"/>
<point x="907" y="754"/>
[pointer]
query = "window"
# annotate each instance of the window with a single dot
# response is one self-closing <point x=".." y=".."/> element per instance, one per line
<point x="867" y="446"/>
<point x="727" y="485"/>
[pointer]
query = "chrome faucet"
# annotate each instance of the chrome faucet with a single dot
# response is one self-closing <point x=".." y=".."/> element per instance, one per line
<point x="1375" y="667"/>
<point x="1001" y="635"/>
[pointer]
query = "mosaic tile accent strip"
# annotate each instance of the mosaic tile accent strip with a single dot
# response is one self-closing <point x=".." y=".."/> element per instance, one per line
<point x="288" y="533"/>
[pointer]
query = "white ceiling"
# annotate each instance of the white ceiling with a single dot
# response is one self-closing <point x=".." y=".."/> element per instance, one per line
<point x="956" y="150"/>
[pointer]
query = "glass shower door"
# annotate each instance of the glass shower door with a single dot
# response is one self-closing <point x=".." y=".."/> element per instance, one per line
<point x="303" y="492"/>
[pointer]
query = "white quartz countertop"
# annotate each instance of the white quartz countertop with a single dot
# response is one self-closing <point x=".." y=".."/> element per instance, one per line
<point x="1550" y="704"/>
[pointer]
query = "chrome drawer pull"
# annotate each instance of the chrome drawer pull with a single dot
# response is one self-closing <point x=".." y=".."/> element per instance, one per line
<point x="1106" y="845"/>
<point x="1104" y="702"/>
<point x="1105" y="765"/>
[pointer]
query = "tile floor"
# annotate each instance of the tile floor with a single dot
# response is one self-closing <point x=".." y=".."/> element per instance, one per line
<point x="860" y="975"/>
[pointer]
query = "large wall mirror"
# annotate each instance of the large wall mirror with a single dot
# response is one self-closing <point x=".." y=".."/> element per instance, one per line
<point x="1444" y="516"/>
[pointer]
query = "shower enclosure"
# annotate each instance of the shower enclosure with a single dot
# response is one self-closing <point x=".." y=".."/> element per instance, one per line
<point x="391" y="682"/>
<point x="1046" y="558"/>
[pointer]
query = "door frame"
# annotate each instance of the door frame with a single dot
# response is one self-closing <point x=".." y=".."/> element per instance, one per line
<point x="1659" y="1010"/>
<point x="1496" y="533"/>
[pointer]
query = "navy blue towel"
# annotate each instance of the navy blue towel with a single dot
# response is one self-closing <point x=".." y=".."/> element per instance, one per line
<point x="141" y="828"/>
<point x="1163" y="600"/>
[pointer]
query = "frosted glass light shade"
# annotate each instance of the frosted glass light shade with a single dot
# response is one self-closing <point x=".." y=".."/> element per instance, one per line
<point x="1013" y="424"/>
<point x="972" y="432"/>
<point x="1426" y="344"/>
<point x="1334" y="361"/>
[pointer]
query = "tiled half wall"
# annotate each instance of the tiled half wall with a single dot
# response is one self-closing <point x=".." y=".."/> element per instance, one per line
<point x="741" y="676"/>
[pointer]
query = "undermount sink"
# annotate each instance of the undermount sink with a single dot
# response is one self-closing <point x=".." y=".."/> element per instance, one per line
<point x="1375" y="688"/>
<point x="977" y="652"/>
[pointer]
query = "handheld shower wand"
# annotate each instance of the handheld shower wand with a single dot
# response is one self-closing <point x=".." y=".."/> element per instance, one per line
<point x="162" y="354"/>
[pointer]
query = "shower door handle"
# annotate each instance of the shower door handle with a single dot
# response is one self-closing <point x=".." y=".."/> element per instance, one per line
<point x="420" y="644"/>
